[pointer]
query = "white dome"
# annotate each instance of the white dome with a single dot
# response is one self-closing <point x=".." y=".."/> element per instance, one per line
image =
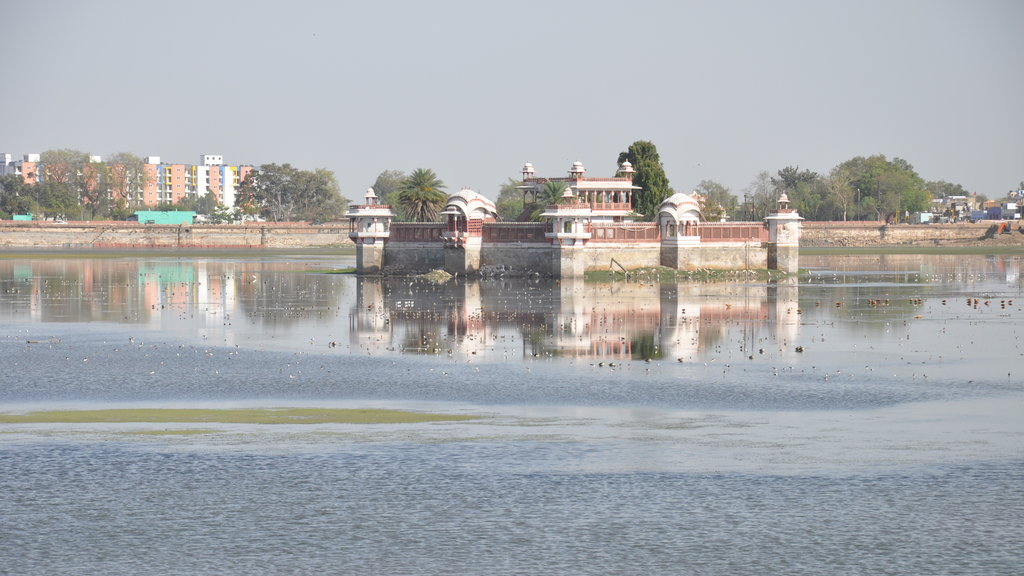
<point x="472" y="204"/>
<point x="680" y="207"/>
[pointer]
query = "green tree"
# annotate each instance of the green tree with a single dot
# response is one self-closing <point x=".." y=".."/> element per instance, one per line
<point x="318" y="197"/>
<point x="58" y="200"/>
<point x="274" y="192"/>
<point x="840" y="192"/>
<point x="760" y="197"/>
<point x="649" y="175"/>
<point x="283" y="193"/>
<point x="806" y="191"/>
<point x="550" y="194"/>
<point x="386" y="187"/>
<point x="421" y="196"/>
<point x="127" y="179"/>
<point x="63" y="166"/>
<point x="93" y="185"/>
<point x="221" y="214"/>
<point x="16" y="197"/>
<point x="75" y="170"/>
<point x="716" y="201"/>
<point x="245" y="196"/>
<point x="943" y="189"/>
<point x="511" y="201"/>
<point x="204" y="204"/>
<point x="886" y="188"/>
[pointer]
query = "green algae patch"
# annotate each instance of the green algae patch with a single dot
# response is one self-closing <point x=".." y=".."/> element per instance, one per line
<point x="229" y="416"/>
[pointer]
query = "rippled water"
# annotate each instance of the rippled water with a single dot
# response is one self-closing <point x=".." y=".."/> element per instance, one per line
<point x="866" y="420"/>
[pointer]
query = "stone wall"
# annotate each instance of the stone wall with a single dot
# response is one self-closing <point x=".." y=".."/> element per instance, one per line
<point x="599" y="256"/>
<point x="734" y="256"/>
<point x="522" y="255"/>
<point x="821" y="234"/>
<point x="131" y="235"/>
<point x="526" y="257"/>
<point x="413" y="257"/>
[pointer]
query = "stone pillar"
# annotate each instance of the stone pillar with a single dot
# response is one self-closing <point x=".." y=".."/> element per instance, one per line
<point x="370" y="257"/>
<point x="464" y="259"/>
<point x="369" y="229"/>
<point x="567" y="260"/>
<point x="681" y="253"/>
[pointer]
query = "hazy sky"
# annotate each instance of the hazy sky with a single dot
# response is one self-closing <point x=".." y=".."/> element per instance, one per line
<point x="724" y="89"/>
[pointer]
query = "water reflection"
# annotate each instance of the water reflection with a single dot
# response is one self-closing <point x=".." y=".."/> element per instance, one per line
<point x="944" y="269"/>
<point x="898" y="426"/>
<point x="143" y="290"/>
<point x="279" y="304"/>
<point x="603" y="322"/>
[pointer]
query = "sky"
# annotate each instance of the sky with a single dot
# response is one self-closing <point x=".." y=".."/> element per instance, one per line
<point x="473" y="89"/>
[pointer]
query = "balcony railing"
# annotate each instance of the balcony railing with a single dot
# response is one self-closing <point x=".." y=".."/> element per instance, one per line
<point x="579" y="205"/>
<point x="625" y="232"/>
<point x="416" y="232"/>
<point x="514" y="232"/>
<point x="732" y="232"/>
<point x="369" y="207"/>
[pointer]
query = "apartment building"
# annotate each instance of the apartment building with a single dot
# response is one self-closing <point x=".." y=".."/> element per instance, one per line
<point x="27" y="168"/>
<point x="172" y="182"/>
<point x="168" y="183"/>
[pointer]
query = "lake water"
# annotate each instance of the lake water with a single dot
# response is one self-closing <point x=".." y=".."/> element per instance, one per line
<point x="868" y="419"/>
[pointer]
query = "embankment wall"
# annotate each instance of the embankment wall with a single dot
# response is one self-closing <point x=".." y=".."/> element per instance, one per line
<point x="130" y="235"/>
<point x="857" y="234"/>
<point x="526" y="255"/>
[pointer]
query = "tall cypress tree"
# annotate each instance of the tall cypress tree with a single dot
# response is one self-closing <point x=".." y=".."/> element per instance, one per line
<point x="649" y="175"/>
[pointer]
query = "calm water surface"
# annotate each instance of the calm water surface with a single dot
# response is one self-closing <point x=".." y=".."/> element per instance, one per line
<point x="865" y="420"/>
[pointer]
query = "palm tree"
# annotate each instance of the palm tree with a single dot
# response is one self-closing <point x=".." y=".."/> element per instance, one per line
<point x="550" y="194"/>
<point x="420" y="196"/>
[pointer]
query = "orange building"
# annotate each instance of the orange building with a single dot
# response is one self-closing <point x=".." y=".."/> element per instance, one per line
<point x="164" y="183"/>
<point x="27" y="168"/>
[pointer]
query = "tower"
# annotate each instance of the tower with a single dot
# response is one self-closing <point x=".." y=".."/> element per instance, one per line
<point x="369" y="228"/>
<point x="784" y="237"/>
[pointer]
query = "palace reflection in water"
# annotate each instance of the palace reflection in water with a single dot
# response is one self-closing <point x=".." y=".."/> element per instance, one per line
<point x="268" y="303"/>
<point x="609" y="322"/>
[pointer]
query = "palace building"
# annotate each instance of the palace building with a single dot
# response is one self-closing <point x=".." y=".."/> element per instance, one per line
<point x="592" y="226"/>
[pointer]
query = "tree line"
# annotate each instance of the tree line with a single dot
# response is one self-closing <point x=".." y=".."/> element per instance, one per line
<point x="75" y="187"/>
<point x="862" y="188"/>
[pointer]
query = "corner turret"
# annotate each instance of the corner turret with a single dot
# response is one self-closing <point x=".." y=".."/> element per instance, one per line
<point x="369" y="228"/>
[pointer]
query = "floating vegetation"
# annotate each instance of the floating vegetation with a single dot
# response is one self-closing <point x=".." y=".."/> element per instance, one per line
<point x="229" y="416"/>
<point x="435" y="276"/>
<point x="349" y="270"/>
